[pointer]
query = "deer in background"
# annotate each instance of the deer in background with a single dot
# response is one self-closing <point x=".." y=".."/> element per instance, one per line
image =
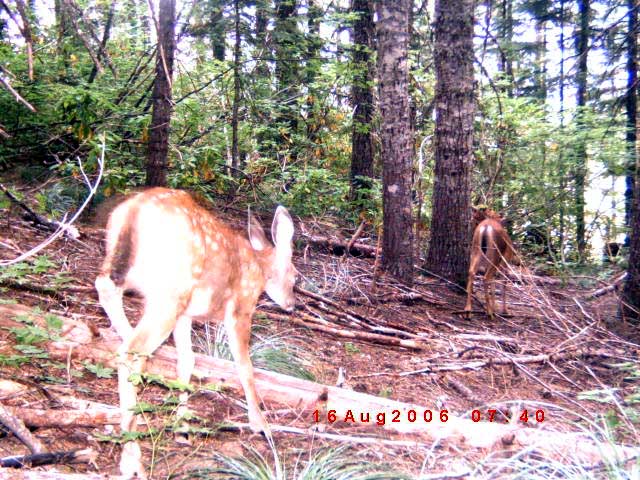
<point x="187" y="263"/>
<point x="491" y="250"/>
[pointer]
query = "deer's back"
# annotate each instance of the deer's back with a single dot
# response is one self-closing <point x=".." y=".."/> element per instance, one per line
<point x="174" y="246"/>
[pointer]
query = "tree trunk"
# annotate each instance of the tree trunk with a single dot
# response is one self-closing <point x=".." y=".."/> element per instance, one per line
<point x="162" y="105"/>
<point x="235" y="161"/>
<point x="632" y="108"/>
<point x="581" y="148"/>
<point x="105" y="39"/>
<point x="393" y="41"/>
<point x="631" y="294"/>
<point x="26" y="34"/>
<point x="448" y="254"/>
<point x="362" y="95"/>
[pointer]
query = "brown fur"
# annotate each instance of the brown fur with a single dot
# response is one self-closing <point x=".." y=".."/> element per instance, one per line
<point x="491" y="249"/>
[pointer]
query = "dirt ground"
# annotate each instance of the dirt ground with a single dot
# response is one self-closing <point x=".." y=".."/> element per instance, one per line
<point x="547" y="316"/>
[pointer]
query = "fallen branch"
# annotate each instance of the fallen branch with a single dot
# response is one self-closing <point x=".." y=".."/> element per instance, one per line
<point x="514" y="360"/>
<point x="355" y="237"/>
<point x="39" y="220"/>
<point x="53" y="475"/>
<point x="18" y="428"/>
<point x="47" y="418"/>
<point x="340" y="247"/>
<point x="606" y="289"/>
<point x="38" y="459"/>
<point x="324" y="326"/>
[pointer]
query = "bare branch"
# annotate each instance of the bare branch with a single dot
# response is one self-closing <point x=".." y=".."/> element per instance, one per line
<point x="65" y="226"/>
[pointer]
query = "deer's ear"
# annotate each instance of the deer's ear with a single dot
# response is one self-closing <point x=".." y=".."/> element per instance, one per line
<point x="256" y="234"/>
<point x="282" y="228"/>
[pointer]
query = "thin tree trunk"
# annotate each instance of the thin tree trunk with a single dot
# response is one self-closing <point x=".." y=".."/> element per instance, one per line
<point x="362" y="94"/>
<point x="162" y="105"/>
<point x="631" y="293"/>
<point x="632" y="108"/>
<point x="105" y="39"/>
<point x="235" y="162"/>
<point x="26" y="34"/>
<point x="448" y="254"/>
<point x="581" y="148"/>
<point x="561" y="173"/>
<point x="393" y="42"/>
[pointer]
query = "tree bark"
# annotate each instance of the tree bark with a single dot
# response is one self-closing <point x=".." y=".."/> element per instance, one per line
<point x="631" y="293"/>
<point x="632" y="110"/>
<point x="105" y="39"/>
<point x="26" y="34"/>
<point x="630" y="301"/>
<point x="362" y="95"/>
<point x="393" y="41"/>
<point x="235" y="161"/>
<point x="448" y="254"/>
<point x="157" y="164"/>
<point x="581" y="148"/>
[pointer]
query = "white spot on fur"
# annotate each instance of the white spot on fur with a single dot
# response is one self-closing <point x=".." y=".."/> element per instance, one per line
<point x="392" y="188"/>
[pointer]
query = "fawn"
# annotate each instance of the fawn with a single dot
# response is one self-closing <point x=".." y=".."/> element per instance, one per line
<point x="491" y="249"/>
<point x="187" y="263"/>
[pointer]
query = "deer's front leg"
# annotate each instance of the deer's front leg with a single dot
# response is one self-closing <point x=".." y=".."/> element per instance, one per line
<point x="238" y="327"/>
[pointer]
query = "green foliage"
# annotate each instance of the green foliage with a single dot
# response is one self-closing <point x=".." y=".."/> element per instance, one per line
<point x="149" y="378"/>
<point x="315" y="192"/>
<point x="272" y="353"/>
<point x="328" y="464"/>
<point x="351" y="349"/>
<point x="99" y="370"/>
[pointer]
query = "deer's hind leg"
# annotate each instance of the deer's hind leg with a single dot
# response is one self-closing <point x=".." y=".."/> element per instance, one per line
<point x="155" y="326"/>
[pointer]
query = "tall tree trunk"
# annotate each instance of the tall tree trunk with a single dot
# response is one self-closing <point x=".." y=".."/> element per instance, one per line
<point x="632" y="108"/>
<point x="362" y="94"/>
<point x="161" y="98"/>
<point x="393" y="42"/>
<point x="235" y="162"/>
<point x="581" y="147"/>
<point x="26" y="34"/>
<point x="286" y="37"/>
<point x="448" y="254"/>
<point x="561" y="173"/>
<point x="630" y="305"/>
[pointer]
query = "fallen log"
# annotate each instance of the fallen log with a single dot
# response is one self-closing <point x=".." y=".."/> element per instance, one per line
<point x="331" y="405"/>
<point x="45" y="418"/>
<point x="16" y="425"/>
<point x="339" y="247"/>
<point x="12" y="474"/>
<point x="40" y="459"/>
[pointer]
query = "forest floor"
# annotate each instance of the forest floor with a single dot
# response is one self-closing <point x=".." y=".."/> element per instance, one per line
<point x="463" y="364"/>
